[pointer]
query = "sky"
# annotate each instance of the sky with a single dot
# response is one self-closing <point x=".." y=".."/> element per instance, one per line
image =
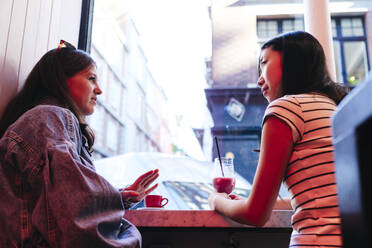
<point x="176" y="38"/>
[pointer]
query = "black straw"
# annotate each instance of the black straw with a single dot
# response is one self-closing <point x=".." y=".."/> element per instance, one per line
<point x="219" y="155"/>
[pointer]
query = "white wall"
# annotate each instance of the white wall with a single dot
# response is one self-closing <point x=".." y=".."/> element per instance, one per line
<point x="28" y="29"/>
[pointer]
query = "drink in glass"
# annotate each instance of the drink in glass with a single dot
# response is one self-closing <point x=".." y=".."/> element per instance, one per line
<point x="223" y="180"/>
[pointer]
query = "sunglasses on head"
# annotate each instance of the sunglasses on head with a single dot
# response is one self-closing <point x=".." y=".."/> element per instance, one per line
<point x="65" y="44"/>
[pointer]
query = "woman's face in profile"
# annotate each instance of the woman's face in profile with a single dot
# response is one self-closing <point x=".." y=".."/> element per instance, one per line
<point x="270" y="80"/>
<point x="84" y="89"/>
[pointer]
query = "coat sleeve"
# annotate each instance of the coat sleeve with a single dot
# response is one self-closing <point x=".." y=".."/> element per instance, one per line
<point x="76" y="207"/>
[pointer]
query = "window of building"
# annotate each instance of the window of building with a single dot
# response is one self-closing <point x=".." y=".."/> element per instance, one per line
<point x="112" y="135"/>
<point x="114" y="93"/>
<point x="350" y="49"/>
<point x="268" y="28"/>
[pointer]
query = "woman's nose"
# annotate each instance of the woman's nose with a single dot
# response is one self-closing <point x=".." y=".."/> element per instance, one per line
<point x="260" y="81"/>
<point x="97" y="90"/>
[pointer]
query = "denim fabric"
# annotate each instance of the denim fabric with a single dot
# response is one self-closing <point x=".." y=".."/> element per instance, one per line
<point x="50" y="194"/>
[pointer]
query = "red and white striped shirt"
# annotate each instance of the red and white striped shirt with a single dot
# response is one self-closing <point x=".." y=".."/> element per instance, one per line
<point x="310" y="175"/>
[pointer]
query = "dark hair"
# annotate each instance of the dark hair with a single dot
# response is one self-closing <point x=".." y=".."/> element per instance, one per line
<point x="48" y="79"/>
<point x="304" y="66"/>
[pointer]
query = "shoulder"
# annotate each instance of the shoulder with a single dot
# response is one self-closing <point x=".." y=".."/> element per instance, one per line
<point x="47" y="121"/>
<point x="289" y="110"/>
<point x="46" y="126"/>
<point x="49" y="110"/>
<point x="288" y="104"/>
<point x="287" y="100"/>
<point x="49" y="115"/>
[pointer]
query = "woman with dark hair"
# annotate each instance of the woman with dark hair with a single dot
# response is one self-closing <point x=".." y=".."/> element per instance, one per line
<point x="296" y="144"/>
<point x="50" y="194"/>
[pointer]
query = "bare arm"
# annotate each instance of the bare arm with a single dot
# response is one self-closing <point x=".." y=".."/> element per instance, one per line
<point x="276" y="149"/>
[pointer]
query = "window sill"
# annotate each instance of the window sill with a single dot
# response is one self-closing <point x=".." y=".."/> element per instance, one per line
<point x="199" y="218"/>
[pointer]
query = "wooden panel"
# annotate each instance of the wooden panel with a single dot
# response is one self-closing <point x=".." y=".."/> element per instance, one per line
<point x="10" y="69"/>
<point x="70" y="27"/>
<point x="5" y="15"/>
<point x="55" y="22"/>
<point x="43" y="23"/>
<point x="29" y="41"/>
<point x="28" y="29"/>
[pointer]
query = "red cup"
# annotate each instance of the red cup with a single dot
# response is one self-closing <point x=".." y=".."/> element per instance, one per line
<point x="155" y="201"/>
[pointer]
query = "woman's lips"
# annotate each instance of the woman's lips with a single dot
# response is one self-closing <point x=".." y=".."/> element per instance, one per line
<point x="264" y="90"/>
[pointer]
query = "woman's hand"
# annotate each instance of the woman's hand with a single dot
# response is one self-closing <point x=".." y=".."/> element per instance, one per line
<point x="212" y="199"/>
<point x="140" y="188"/>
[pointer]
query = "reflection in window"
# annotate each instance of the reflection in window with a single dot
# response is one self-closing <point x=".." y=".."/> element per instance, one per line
<point x="194" y="195"/>
<point x="356" y="61"/>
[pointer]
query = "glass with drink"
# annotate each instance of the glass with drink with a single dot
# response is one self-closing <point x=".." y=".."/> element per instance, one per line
<point x="223" y="175"/>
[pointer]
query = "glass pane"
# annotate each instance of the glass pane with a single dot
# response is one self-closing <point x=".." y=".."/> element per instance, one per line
<point x="261" y="25"/>
<point x="334" y="29"/>
<point x="96" y="122"/>
<point x="356" y="61"/>
<point x="299" y="24"/>
<point x="112" y="134"/>
<point x="261" y="29"/>
<point x="357" y="27"/>
<point x="336" y="46"/>
<point x="288" y="25"/>
<point x="346" y="27"/>
<point x="114" y="94"/>
<point x="272" y="28"/>
<point x="266" y="29"/>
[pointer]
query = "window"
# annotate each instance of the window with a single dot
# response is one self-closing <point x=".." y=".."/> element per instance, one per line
<point x="267" y="29"/>
<point x="114" y="94"/>
<point x="350" y="44"/>
<point x="112" y="135"/>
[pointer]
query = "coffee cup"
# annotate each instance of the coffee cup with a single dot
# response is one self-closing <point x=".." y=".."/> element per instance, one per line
<point x="155" y="201"/>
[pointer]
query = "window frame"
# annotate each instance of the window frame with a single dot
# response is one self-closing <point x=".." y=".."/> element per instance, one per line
<point x="86" y="24"/>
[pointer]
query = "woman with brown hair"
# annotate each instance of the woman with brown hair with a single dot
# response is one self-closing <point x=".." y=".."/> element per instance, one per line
<point x="50" y="194"/>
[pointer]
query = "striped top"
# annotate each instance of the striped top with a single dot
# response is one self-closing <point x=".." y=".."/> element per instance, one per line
<point x="310" y="176"/>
